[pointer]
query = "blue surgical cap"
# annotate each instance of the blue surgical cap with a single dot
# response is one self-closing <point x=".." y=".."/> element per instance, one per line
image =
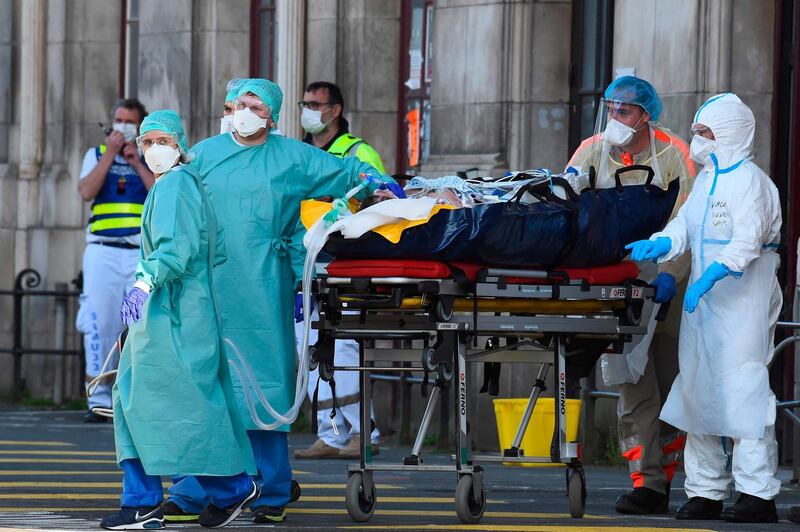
<point x="633" y="90"/>
<point x="169" y="122"/>
<point x="268" y="91"/>
<point x="233" y="88"/>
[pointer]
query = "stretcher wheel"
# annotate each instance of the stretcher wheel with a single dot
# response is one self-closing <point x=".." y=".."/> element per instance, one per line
<point x="428" y="355"/>
<point x="296" y="491"/>
<point x="469" y="510"/>
<point x="359" y="505"/>
<point x="443" y="311"/>
<point x="576" y="490"/>
<point x="312" y="359"/>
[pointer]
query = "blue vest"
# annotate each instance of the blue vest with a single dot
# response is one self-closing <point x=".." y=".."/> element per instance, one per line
<point x="117" y="208"/>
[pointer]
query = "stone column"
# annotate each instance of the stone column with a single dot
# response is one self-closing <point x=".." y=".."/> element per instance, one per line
<point x="290" y="15"/>
<point x="32" y="87"/>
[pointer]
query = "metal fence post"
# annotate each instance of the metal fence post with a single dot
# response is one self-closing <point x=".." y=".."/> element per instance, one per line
<point x="59" y="333"/>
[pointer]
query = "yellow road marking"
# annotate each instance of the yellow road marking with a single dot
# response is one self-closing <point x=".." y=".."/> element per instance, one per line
<point x="64" y="453"/>
<point x="379" y="512"/>
<point x="410" y="500"/>
<point x="60" y="496"/>
<point x="523" y="528"/>
<point x="37" y="443"/>
<point x="53" y="461"/>
<point x="300" y="472"/>
<point x="56" y="484"/>
<point x="38" y="472"/>
<point x="310" y="486"/>
<point x="60" y="485"/>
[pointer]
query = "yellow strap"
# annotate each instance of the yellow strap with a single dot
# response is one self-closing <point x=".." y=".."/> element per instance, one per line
<point x="115" y="223"/>
<point x="313" y="210"/>
<point x="117" y="208"/>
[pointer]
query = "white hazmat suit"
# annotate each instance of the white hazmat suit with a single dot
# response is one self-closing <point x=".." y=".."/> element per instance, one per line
<point x="731" y="217"/>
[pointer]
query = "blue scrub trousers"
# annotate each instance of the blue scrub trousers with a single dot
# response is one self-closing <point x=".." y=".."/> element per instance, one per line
<point x="140" y="489"/>
<point x="274" y="477"/>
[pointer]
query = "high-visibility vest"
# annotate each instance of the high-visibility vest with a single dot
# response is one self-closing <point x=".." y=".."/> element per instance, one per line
<point x="348" y="145"/>
<point x="117" y="208"/>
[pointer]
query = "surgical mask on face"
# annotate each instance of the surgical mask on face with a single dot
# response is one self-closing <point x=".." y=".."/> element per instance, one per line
<point x="247" y="123"/>
<point x="617" y="133"/>
<point x="311" y="121"/>
<point x="128" y="131"/>
<point x="161" y="158"/>
<point x="226" y="124"/>
<point x="701" y="147"/>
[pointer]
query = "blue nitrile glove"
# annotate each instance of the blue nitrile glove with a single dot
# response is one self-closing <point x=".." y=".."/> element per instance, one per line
<point x="649" y="249"/>
<point x="298" y="307"/>
<point x="394" y="188"/>
<point x="665" y="288"/>
<point x="131" y="310"/>
<point x="713" y="273"/>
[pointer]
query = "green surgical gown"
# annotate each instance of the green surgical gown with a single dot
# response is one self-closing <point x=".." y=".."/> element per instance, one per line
<point x="256" y="193"/>
<point x="174" y="406"/>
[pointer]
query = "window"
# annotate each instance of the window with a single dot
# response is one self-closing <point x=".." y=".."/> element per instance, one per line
<point x="590" y="68"/>
<point x="416" y="74"/>
<point x="129" y="56"/>
<point x="262" y="39"/>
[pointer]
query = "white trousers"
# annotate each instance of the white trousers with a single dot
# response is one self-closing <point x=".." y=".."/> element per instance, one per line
<point x="348" y="421"/>
<point x="713" y="464"/>
<point x="108" y="274"/>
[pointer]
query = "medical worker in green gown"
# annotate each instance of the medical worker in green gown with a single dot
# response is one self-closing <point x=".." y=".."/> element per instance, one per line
<point x="256" y="182"/>
<point x="174" y="407"/>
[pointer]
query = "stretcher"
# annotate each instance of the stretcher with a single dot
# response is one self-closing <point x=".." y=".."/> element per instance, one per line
<point x="558" y="319"/>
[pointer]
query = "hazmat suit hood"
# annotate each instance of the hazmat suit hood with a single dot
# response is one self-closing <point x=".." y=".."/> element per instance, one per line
<point x="733" y="125"/>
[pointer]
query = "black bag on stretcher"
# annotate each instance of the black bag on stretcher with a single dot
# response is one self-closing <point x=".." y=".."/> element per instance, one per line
<point x="608" y="219"/>
<point x="582" y="231"/>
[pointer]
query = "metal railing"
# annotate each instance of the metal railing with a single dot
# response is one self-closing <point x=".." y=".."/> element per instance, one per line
<point x="25" y="286"/>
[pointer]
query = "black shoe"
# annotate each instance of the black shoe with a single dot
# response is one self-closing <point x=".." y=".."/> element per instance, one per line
<point x="128" y="518"/>
<point x="794" y="514"/>
<point x="91" y="417"/>
<point x="175" y="514"/>
<point x="268" y="514"/>
<point x="213" y="516"/>
<point x="642" y="501"/>
<point x="700" y="509"/>
<point x="751" y="509"/>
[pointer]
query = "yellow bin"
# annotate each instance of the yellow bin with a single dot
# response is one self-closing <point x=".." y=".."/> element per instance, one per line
<point x="539" y="434"/>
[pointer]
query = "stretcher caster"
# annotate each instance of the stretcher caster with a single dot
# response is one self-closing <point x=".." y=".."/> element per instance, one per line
<point x="576" y="490"/>
<point x="360" y="505"/>
<point x="428" y="355"/>
<point x="443" y="310"/>
<point x="296" y="491"/>
<point x="468" y="509"/>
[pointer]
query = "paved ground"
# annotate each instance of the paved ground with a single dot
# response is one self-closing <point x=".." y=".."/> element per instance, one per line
<point x="57" y="473"/>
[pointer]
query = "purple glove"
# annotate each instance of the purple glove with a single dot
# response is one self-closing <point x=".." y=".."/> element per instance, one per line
<point x="298" y="307"/>
<point x="131" y="310"/>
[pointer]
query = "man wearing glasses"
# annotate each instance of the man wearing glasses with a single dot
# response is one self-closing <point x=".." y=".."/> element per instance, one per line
<point x="326" y="128"/>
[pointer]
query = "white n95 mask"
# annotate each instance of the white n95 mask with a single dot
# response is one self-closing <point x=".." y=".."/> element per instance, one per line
<point x="701" y="147"/>
<point x="311" y="121"/>
<point x="128" y="131"/>
<point x="161" y="158"/>
<point x="247" y="123"/>
<point x="617" y="133"/>
<point x="226" y="124"/>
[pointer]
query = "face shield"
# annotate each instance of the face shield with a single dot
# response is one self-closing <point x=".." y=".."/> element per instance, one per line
<point x="616" y="124"/>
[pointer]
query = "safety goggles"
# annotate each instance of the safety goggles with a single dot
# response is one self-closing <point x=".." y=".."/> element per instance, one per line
<point x="698" y="129"/>
<point x="254" y="104"/>
<point x="151" y="138"/>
